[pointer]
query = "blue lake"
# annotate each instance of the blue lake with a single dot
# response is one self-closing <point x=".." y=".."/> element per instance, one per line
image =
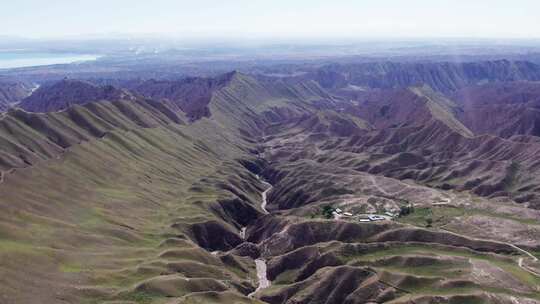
<point x="27" y="59"/>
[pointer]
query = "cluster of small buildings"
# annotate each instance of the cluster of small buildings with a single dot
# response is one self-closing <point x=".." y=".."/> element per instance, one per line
<point x="338" y="213"/>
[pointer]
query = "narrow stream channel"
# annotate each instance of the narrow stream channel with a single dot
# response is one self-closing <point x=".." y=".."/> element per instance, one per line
<point x="243" y="233"/>
<point x="265" y="192"/>
<point x="261" y="263"/>
<point x="261" y="275"/>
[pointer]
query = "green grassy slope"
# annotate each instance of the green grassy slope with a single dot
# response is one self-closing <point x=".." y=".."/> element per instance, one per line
<point x="113" y="200"/>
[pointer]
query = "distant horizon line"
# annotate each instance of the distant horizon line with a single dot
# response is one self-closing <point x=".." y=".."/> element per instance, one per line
<point x="259" y="37"/>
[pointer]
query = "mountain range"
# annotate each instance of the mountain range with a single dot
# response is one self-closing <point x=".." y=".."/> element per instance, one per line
<point x="361" y="183"/>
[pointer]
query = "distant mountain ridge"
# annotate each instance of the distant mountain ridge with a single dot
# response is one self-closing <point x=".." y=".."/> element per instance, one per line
<point x="441" y="76"/>
<point x="61" y="95"/>
<point x="191" y="95"/>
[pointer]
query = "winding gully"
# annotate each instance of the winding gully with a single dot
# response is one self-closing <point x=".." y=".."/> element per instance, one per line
<point x="261" y="263"/>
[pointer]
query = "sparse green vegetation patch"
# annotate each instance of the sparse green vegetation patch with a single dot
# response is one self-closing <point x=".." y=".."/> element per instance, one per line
<point x="431" y="216"/>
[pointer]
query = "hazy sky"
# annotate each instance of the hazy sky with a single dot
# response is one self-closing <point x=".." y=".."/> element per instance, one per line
<point x="277" y="18"/>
